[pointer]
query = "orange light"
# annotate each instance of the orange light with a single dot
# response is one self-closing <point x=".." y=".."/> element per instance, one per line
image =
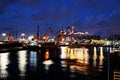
<point x="47" y="55"/>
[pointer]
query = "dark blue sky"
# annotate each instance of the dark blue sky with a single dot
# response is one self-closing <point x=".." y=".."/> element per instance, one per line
<point x="94" y="16"/>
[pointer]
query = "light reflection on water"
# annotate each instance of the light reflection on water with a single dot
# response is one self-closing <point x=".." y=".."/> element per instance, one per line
<point x="22" y="58"/>
<point x="82" y="56"/>
<point x="101" y="58"/>
<point x="81" y="60"/>
<point x="95" y="57"/>
<point x="47" y="54"/>
<point x="75" y="53"/>
<point x="47" y="62"/>
<point x="33" y="60"/>
<point x="3" y="64"/>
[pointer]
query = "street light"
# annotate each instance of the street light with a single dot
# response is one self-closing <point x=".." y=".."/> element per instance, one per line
<point x="22" y="34"/>
<point x="3" y="34"/>
<point x="22" y="37"/>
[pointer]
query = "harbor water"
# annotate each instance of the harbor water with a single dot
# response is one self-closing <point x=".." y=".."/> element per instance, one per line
<point x="66" y="63"/>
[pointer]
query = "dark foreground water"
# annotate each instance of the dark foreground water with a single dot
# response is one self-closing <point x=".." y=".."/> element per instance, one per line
<point x="51" y="64"/>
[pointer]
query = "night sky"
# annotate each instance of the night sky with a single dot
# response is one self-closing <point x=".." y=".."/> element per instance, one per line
<point x="100" y="17"/>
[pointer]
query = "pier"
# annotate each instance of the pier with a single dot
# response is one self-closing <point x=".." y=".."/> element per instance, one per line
<point x="11" y="47"/>
<point x="43" y="45"/>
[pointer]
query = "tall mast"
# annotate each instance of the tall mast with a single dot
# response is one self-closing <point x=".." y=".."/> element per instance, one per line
<point x="37" y="36"/>
<point x="16" y="32"/>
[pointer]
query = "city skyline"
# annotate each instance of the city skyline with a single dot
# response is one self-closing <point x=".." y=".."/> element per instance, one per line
<point x="99" y="17"/>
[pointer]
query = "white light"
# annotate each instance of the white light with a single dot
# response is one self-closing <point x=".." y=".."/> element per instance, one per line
<point x="22" y="34"/>
<point x="3" y="34"/>
<point x="52" y="39"/>
<point x="23" y="39"/>
<point x="22" y="57"/>
<point x="86" y="33"/>
<point x="3" y="64"/>
<point x="30" y="37"/>
<point x="47" y="63"/>
<point x="67" y="43"/>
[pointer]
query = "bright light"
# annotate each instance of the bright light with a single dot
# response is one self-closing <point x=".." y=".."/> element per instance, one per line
<point x="23" y="39"/>
<point x="22" y="34"/>
<point x="47" y="63"/>
<point x="3" y="64"/>
<point x="72" y="27"/>
<point x="22" y="58"/>
<point x="66" y="43"/>
<point x="30" y="37"/>
<point x="3" y="34"/>
<point x="86" y="33"/>
<point x="52" y="39"/>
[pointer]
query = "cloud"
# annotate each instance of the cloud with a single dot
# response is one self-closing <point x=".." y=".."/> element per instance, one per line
<point x="64" y="10"/>
<point x="39" y="17"/>
<point x="89" y="4"/>
<point x="55" y="11"/>
<point x="85" y="15"/>
<point x="113" y="20"/>
<point x="4" y="4"/>
<point x="31" y="3"/>
<point x="106" y="24"/>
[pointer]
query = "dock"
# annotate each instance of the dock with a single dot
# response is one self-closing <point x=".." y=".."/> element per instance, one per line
<point x="43" y="45"/>
<point x="11" y="47"/>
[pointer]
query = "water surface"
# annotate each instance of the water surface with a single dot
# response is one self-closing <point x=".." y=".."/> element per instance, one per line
<point x="51" y="64"/>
